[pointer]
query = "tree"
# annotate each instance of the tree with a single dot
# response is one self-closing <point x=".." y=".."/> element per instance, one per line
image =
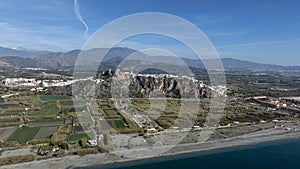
<point x="83" y="142"/>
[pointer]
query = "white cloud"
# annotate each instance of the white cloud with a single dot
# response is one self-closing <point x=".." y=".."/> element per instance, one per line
<point x="80" y="18"/>
<point x="257" y="43"/>
<point x="55" y="38"/>
<point x="228" y="33"/>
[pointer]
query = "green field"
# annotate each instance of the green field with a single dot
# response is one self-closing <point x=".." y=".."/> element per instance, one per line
<point x="9" y="120"/>
<point x="28" y="98"/>
<point x="22" y="135"/>
<point x="110" y="112"/>
<point x="45" y="132"/>
<point x="117" y="124"/>
<point x="104" y="107"/>
<point x="11" y="113"/>
<point x="54" y="97"/>
<point x="66" y="102"/>
<point x="47" y="109"/>
<point x="78" y="136"/>
<point x="45" y="120"/>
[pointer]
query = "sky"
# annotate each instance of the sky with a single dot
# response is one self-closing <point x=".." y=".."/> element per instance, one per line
<point x="264" y="31"/>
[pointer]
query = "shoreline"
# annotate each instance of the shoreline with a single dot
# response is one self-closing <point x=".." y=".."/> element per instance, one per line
<point x="195" y="152"/>
<point x="109" y="159"/>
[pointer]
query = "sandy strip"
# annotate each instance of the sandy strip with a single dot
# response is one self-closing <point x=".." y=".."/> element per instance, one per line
<point x="76" y="161"/>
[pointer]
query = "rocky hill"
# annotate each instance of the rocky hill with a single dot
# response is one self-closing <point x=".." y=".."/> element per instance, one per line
<point x="114" y="83"/>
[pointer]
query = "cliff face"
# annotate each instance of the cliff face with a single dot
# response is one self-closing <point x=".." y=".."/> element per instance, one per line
<point x="122" y="84"/>
<point x="168" y="86"/>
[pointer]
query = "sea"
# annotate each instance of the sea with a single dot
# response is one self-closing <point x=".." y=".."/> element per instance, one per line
<point x="283" y="154"/>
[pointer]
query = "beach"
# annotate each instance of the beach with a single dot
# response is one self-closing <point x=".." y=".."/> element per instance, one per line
<point x="141" y="154"/>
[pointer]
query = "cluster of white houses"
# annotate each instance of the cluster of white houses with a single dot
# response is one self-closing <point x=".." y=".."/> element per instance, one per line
<point x="33" y="82"/>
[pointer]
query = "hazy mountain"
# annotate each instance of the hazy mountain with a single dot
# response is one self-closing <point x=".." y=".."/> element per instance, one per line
<point x="116" y="55"/>
<point x="18" y="61"/>
<point x="59" y="59"/>
<point x="228" y="64"/>
<point x="235" y="64"/>
<point x="74" y="53"/>
<point x="54" y="60"/>
<point x="21" y="52"/>
<point x="51" y="61"/>
<point x="117" y="52"/>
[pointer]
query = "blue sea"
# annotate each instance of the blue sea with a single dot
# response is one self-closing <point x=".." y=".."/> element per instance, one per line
<point x="272" y="155"/>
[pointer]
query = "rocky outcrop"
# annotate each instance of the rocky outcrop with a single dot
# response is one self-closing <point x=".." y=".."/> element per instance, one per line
<point x="114" y="83"/>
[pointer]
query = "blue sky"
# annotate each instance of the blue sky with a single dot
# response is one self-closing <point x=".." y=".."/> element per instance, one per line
<point x="265" y="31"/>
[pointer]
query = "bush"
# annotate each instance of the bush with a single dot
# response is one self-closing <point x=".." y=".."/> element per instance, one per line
<point x="44" y="150"/>
<point x="83" y="142"/>
<point x="17" y="159"/>
<point x="83" y="152"/>
<point x="60" y="153"/>
<point x="65" y="146"/>
<point x="56" y="142"/>
<point x="34" y="142"/>
<point x="9" y="144"/>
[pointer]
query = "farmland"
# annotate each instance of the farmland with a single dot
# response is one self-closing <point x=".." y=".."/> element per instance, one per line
<point x="113" y="119"/>
<point x="54" y="97"/>
<point x="34" y="118"/>
<point x="22" y="135"/>
<point x="78" y="136"/>
<point x="45" y="132"/>
<point x="53" y="117"/>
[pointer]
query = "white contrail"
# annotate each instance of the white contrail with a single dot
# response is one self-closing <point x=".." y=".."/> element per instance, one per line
<point x="78" y="15"/>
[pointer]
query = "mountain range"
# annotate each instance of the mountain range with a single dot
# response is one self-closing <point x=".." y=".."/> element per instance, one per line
<point x="22" y="52"/>
<point x="21" y="57"/>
